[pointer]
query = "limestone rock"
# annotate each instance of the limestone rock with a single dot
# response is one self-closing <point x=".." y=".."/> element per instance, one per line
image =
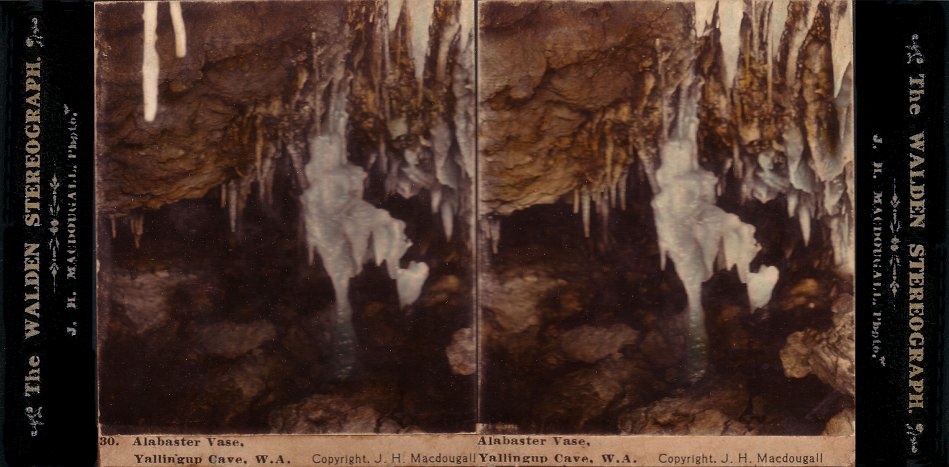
<point x="714" y="413"/>
<point x="512" y="299"/>
<point x="462" y="352"/>
<point x="231" y="340"/>
<point x="828" y="354"/>
<point x="327" y="413"/>
<point x="591" y="344"/>
<point x="143" y="299"/>
<point x="842" y="424"/>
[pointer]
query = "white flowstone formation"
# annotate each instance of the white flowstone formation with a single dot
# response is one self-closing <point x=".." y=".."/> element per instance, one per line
<point x="694" y="233"/>
<point x="345" y="230"/>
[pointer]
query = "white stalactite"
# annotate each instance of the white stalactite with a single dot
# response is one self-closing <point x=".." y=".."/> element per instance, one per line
<point x="178" y="25"/>
<point x="804" y="219"/>
<point x="494" y="233"/>
<point x="730" y="14"/>
<point x="420" y="23"/>
<point x="447" y="211"/>
<point x="777" y="17"/>
<point x="150" y="61"/>
<point x="395" y="10"/>
<point x="841" y="45"/>
<point x="704" y="16"/>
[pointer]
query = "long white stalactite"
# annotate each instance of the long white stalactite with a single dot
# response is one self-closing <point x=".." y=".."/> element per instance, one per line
<point x="150" y="60"/>
<point x="178" y="26"/>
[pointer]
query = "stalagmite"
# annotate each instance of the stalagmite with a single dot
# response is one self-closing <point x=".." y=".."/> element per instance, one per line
<point x="150" y="61"/>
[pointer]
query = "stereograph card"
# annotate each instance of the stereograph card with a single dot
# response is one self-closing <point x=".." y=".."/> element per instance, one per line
<point x="505" y="232"/>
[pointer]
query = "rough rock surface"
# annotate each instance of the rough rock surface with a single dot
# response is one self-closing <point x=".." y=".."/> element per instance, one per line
<point x="842" y="424"/>
<point x="335" y="413"/>
<point x="201" y="108"/>
<point x="714" y="413"/>
<point x="555" y="78"/>
<point x="142" y="300"/>
<point x="511" y="300"/>
<point x="828" y="354"/>
<point x="230" y="339"/>
<point x="591" y="344"/>
<point x="462" y="352"/>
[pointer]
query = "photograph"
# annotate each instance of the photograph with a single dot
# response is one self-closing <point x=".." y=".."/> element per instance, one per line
<point x="285" y="217"/>
<point x="666" y="217"/>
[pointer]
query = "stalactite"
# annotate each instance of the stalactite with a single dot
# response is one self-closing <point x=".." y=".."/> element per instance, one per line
<point x="494" y="233"/>
<point x="178" y="25"/>
<point x="150" y="61"/>
<point x="776" y="21"/>
<point x="704" y="16"/>
<point x="137" y="227"/>
<point x="804" y="219"/>
<point x="420" y="23"/>
<point x="585" y="209"/>
<point x="393" y="13"/>
<point x="232" y="195"/>
<point x="730" y="14"/>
